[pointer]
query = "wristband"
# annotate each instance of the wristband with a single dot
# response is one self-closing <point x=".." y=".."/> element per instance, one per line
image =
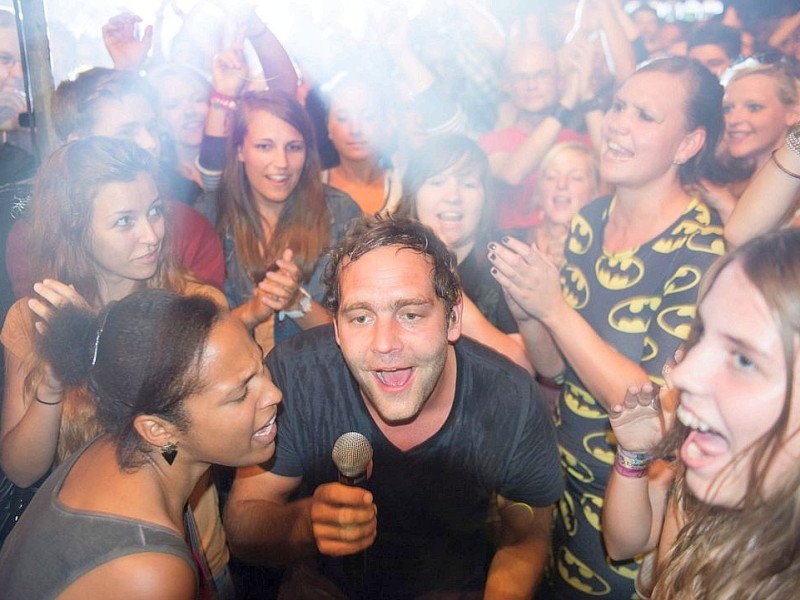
<point x="222" y="101"/>
<point x="632" y="464"/>
<point x="305" y="307"/>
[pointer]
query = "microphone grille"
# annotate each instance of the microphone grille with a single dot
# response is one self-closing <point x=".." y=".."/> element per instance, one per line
<point x="352" y="453"/>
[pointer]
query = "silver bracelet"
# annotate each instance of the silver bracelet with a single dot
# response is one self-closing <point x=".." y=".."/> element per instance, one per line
<point x="793" y="139"/>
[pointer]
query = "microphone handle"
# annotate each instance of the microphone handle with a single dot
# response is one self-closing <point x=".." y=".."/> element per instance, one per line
<point x="354" y="481"/>
<point x="355" y="565"/>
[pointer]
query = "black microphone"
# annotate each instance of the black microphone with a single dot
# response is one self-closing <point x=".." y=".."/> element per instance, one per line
<point x="352" y="453"/>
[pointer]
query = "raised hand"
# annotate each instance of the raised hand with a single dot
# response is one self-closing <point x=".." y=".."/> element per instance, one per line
<point x="278" y="289"/>
<point x="53" y="295"/>
<point x="127" y="48"/>
<point x="229" y="70"/>
<point x="638" y="421"/>
<point x="528" y="277"/>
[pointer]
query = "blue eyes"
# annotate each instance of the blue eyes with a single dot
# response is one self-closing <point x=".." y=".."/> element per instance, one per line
<point x="267" y="146"/>
<point x="155" y="213"/>
<point x="740" y="361"/>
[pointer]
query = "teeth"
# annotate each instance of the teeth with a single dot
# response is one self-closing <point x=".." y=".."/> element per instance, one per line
<point x="278" y="178"/>
<point x="450" y="216"/>
<point x="615" y="147"/>
<point x="692" y="451"/>
<point x="690" y="420"/>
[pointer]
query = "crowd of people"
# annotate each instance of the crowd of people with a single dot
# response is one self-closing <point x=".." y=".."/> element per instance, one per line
<point x="544" y="260"/>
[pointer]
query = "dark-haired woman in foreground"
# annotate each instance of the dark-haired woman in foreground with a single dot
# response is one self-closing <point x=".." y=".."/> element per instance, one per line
<point x="100" y="231"/>
<point x="179" y="385"/>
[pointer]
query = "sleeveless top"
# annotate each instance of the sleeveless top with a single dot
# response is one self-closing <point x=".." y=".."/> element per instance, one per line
<point x="53" y="545"/>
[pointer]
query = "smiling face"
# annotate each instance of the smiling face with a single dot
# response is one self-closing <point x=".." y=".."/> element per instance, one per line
<point x="756" y="120"/>
<point x="125" y="232"/>
<point x="273" y="153"/>
<point x="644" y="135"/>
<point x="355" y="122"/>
<point x="566" y="184"/>
<point x="394" y="333"/>
<point x="183" y="102"/>
<point x="451" y="203"/>
<point x="232" y="419"/>
<point x="733" y="386"/>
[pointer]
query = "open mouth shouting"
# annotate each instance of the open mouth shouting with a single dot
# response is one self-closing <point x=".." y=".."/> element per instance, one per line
<point x="266" y="434"/>
<point x="703" y="445"/>
<point x="394" y="380"/>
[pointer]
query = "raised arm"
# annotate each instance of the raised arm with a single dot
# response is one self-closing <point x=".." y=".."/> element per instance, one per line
<point x="31" y="421"/>
<point x="279" y="71"/>
<point x="533" y="283"/>
<point x="636" y="497"/>
<point x="620" y="32"/>
<point x="771" y="198"/>
<point x="513" y="167"/>
<point x="126" y="46"/>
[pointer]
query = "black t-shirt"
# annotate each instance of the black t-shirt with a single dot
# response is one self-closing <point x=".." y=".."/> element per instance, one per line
<point x="433" y="500"/>
<point x="486" y="292"/>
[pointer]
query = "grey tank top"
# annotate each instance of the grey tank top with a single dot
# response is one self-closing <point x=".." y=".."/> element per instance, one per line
<point x="53" y="545"/>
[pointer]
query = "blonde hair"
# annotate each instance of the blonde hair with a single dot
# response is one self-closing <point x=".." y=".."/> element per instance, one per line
<point x="787" y="86"/>
<point x="558" y="149"/>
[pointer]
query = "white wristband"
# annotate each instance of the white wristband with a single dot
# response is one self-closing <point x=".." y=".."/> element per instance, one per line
<point x="305" y="307"/>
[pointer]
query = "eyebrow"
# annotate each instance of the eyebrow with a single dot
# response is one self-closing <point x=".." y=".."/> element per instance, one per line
<point x="748" y="346"/>
<point x="397" y="304"/>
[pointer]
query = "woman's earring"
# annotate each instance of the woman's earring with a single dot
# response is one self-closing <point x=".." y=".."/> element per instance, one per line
<point x="169" y="451"/>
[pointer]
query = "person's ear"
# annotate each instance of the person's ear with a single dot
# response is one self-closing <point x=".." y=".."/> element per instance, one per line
<point x="454" y="322"/>
<point x="690" y="145"/>
<point x="155" y="430"/>
<point x="792" y="116"/>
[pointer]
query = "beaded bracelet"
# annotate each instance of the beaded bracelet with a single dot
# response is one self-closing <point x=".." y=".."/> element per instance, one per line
<point x="782" y="168"/>
<point x="632" y="464"/>
<point x="222" y="101"/>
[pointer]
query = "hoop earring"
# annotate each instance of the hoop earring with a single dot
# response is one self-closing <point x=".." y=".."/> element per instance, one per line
<point x="169" y="451"/>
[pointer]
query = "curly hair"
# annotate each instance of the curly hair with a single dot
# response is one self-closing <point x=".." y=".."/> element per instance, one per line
<point x="371" y="233"/>
<point x="140" y="355"/>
